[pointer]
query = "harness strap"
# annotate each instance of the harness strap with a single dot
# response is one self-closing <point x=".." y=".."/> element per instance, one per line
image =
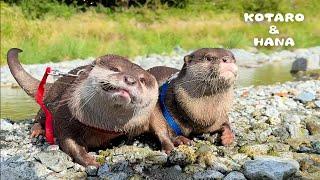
<point x="39" y="99"/>
<point x="170" y="120"/>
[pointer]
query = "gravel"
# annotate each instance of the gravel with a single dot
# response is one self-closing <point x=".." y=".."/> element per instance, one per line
<point x="277" y="130"/>
<point x="277" y="136"/>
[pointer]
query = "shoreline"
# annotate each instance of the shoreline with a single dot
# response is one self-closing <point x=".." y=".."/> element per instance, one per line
<point x="246" y="59"/>
<point x="277" y="131"/>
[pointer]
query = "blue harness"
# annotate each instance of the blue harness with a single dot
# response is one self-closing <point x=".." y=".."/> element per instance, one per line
<point x="170" y="120"/>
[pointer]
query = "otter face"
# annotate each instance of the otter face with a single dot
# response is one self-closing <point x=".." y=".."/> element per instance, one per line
<point x="209" y="70"/>
<point x="114" y="89"/>
<point x="121" y="82"/>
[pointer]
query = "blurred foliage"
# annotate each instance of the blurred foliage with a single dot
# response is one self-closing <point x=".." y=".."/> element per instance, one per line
<point x="36" y="9"/>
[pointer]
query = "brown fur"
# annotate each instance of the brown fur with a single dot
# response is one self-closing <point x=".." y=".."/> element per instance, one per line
<point x="198" y="99"/>
<point x="88" y="112"/>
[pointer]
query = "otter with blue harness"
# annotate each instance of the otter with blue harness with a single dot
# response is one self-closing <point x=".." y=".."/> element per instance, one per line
<point x="196" y="99"/>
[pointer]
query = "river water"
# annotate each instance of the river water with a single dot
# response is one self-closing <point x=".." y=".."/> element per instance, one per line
<point x="16" y="105"/>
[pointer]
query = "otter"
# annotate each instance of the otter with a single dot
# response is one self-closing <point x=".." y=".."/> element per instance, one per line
<point x="198" y="98"/>
<point x="109" y="98"/>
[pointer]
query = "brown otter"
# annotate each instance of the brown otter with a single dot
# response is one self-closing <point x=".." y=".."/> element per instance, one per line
<point x="109" y="98"/>
<point x="199" y="98"/>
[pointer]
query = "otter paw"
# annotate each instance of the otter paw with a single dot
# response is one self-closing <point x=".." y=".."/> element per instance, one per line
<point x="167" y="148"/>
<point x="90" y="161"/>
<point x="227" y="137"/>
<point x="37" y="130"/>
<point x="179" y="140"/>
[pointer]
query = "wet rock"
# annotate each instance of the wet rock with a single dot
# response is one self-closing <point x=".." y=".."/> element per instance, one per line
<point x="91" y="170"/>
<point x="306" y="63"/>
<point x="305" y="97"/>
<point x="55" y="160"/>
<point x="270" y="168"/>
<point x="235" y="175"/>
<point x="209" y="174"/>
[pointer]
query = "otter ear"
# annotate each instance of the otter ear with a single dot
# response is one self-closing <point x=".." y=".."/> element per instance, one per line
<point x="187" y="59"/>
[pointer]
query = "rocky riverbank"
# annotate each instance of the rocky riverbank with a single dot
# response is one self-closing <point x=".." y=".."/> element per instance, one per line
<point x="277" y="131"/>
<point x="245" y="59"/>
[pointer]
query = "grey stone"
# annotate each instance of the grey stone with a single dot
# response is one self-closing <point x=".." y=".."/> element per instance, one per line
<point x="23" y="170"/>
<point x="104" y="169"/>
<point x="306" y="97"/>
<point x="317" y="103"/>
<point x="310" y="62"/>
<point x="316" y="146"/>
<point x="235" y="175"/>
<point x="270" y="168"/>
<point x="91" y="170"/>
<point x="209" y="174"/>
<point x="114" y="176"/>
<point x="55" y="160"/>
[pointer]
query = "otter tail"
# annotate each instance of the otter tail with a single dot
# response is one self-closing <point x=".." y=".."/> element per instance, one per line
<point x="28" y="83"/>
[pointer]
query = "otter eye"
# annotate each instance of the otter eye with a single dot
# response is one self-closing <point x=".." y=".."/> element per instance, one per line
<point x="142" y="80"/>
<point x="208" y="58"/>
<point x="114" y="69"/>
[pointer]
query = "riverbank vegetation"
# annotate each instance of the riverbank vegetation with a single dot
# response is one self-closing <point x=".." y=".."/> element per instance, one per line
<point x="48" y="30"/>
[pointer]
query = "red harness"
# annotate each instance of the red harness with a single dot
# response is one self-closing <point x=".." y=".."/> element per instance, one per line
<point x="39" y="99"/>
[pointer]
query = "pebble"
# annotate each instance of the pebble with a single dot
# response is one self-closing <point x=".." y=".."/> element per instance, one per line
<point x="270" y="168"/>
<point x="209" y="174"/>
<point x="305" y="97"/>
<point x="91" y="170"/>
<point x="56" y="161"/>
<point x="235" y="175"/>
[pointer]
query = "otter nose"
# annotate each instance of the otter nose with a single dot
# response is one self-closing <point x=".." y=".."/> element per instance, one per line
<point x="129" y="80"/>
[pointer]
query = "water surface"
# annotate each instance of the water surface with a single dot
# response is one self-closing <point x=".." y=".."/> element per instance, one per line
<point x="16" y="105"/>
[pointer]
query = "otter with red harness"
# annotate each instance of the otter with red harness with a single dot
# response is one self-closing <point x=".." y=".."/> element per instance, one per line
<point x="91" y="105"/>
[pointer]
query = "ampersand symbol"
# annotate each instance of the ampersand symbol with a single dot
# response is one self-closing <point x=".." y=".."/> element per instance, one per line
<point x="273" y="30"/>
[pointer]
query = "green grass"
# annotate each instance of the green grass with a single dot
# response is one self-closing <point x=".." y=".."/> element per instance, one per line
<point x="139" y="31"/>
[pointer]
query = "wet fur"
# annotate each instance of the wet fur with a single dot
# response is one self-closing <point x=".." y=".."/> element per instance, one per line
<point x="198" y="99"/>
<point x="80" y="125"/>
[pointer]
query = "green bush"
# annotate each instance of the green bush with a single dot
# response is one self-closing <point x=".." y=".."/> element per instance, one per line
<point x="253" y="6"/>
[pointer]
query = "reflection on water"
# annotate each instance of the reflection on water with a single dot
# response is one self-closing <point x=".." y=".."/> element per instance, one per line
<point x="16" y="105"/>
<point x="267" y="74"/>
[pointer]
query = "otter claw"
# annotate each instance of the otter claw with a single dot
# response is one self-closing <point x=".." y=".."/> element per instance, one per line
<point x="36" y="131"/>
<point x="227" y="137"/>
<point x="180" y="140"/>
